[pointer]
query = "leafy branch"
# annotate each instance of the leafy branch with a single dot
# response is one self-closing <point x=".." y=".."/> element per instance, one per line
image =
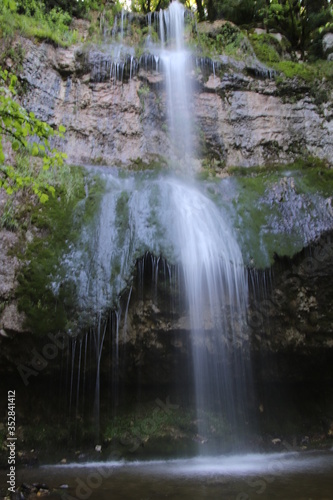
<point x="17" y="125"/>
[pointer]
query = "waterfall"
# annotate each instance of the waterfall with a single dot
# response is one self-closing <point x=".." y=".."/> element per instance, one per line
<point x="211" y="260"/>
<point x="166" y="215"/>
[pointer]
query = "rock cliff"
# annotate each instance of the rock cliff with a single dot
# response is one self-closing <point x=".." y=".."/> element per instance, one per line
<point x="243" y="118"/>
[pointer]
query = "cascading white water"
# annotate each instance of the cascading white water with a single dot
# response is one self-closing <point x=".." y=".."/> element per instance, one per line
<point x="165" y="216"/>
<point x="211" y="259"/>
<point x="176" y="62"/>
<point x="216" y="289"/>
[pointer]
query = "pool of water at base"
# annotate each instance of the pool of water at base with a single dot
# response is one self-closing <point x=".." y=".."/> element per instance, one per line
<point x="285" y="476"/>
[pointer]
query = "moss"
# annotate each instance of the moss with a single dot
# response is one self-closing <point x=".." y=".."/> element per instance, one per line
<point x="154" y="422"/>
<point x="50" y="435"/>
<point x="208" y="170"/>
<point x="271" y="52"/>
<point x="15" y="54"/>
<point x="122" y="211"/>
<point x="266" y="47"/>
<point x="316" y="176"/>
<point x="259" y="206"/>
<point x="228" y="40"/>
<point x="47" y="309"/>
<point x="149" y="31"/>
<point x="292" y="69"/>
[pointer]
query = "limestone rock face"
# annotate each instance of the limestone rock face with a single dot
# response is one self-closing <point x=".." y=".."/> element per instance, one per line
<point x="294" y="313"/>
<point x="243" y="120"/>
<point x="11" y="320"/>
<point x="328" y="44"/>
<point x="252" y="125"/>
<point x="106" y="122"/>
<point x="8" y="265"/>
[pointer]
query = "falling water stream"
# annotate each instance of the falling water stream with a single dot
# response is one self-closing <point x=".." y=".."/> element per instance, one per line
<point x="176" y="64"/>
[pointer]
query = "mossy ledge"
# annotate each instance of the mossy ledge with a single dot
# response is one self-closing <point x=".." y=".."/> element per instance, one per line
<point x="279" y="209"/>
<point x="56" y="227"/>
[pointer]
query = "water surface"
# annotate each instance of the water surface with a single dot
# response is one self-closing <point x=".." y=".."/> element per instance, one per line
<point x="285" y="476"/>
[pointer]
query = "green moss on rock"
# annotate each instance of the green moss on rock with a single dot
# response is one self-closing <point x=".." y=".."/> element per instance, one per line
<point x="280" y="209"/>
<point x="49" y="308"/>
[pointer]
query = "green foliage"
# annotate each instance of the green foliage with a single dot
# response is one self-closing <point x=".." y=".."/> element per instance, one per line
<point x="237" y="11"/>
<point x="265" y="47"/>
<point x="151" y="423"/>
<point x="47" y="311"/>
<point x="77" y="8"/>
<point x="57" y="225"/>
<point x="300" y="20"/>
<point x="9" y="5"/>
<point x="270" y="52"/>
<point x="311" y="73"/>
<point x="17" y="125"/>
<point x="292" y="70"/>
<point x="16" y="54"/>
<point x="229" y="40"/>
<point x="146" y="6"/>
<point x="208" y="169"/>
<point x="8" y="218"/>
<point x="303" y="22"/>
<point x="32" y="19"/>
<point x="143" y="91"/>
<point x="52" y="434"/>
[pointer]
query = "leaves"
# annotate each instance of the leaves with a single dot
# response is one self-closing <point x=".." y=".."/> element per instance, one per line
<point x="43" y="198"/>
<point x="34" y="150"/>
<point x="17" y="125"/>
<point x="9" y="4"/>
<point x="298" y="20"/>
